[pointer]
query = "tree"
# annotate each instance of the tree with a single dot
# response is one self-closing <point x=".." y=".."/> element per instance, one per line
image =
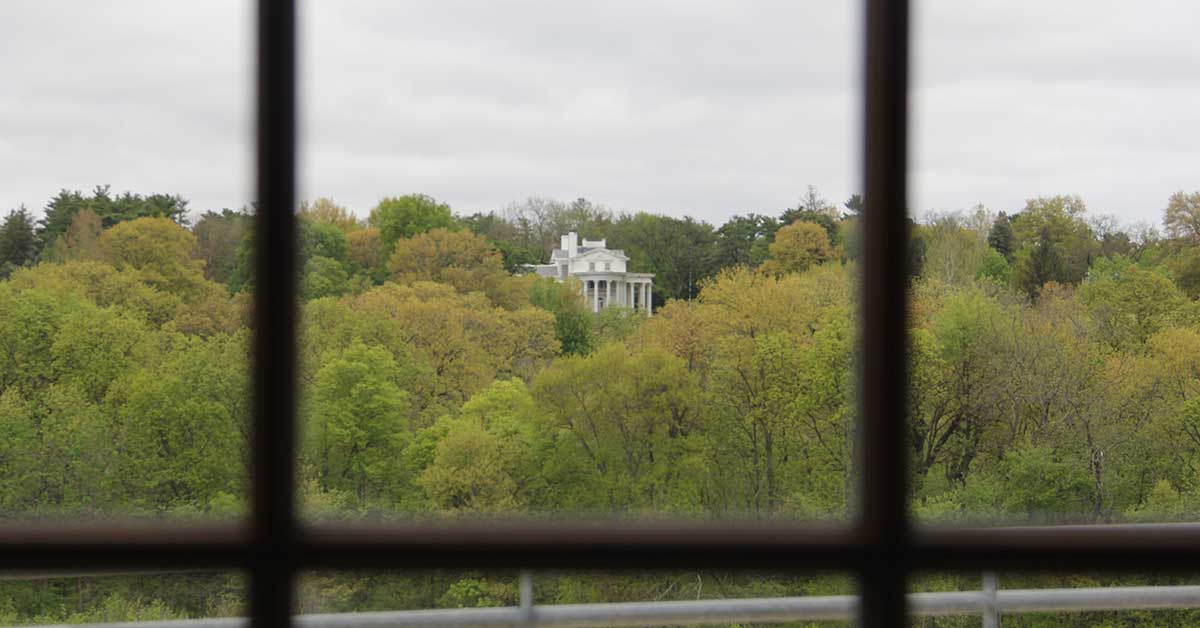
<point x="743" y="240"/>
<point x="160" y="251"/>
<point x="456" y="258"/>
<point x="536" y="223"/>
<point x="217" y="239"/>
<point x="624" y="425"/>
<point x="408" y="216"/>
<point x="813" y="208"/>
<point x="316" y="239"/>
<point x="993" y="266"/>
<point x="572" y="318"/>
<point x="854" y="204"/>
<point x="324" y="277"/>
<point x="1000" y="236"/>
<point x="487" y="460"/>
<point x="61" y="210"/>
<point x="953" y="252"/>
<point x="185" y="426"/>
<point x="799" y="246"/>
<point x="518" y="251"/>
<point x="356" y="424"/>
<point x="1182" y="216"/>
<point x="1039" y="264"/>
<point x="680" y="253"/>
<point x="1053" y="242"/>
<point x="469" y="473"/>
<point x="79" y="242"/>
<point x="464" y="340"/>
<point x="1129" y="303"/>
<point x="325" y="211"/>
<point x="365" y="248"/>
<point x="813" y="203"/>
<point x="18" y="243"/>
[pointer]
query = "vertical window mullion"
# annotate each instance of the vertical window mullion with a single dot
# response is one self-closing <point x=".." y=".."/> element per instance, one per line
<point x="275" y="388"/>
<point x="884" y="525"/>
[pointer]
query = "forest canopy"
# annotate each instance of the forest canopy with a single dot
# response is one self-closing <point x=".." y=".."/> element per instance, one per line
<point x="1055" y="363"/>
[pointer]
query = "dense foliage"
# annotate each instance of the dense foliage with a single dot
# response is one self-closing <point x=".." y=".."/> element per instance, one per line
<point x="1055" y="376"/>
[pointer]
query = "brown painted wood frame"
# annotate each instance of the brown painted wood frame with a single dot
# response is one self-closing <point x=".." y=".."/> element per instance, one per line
<point x="881" y="547"/>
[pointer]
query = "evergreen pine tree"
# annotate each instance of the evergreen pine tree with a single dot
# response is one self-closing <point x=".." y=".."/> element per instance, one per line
<point x="18" y="244"/>
<point x="1000" y="237"/>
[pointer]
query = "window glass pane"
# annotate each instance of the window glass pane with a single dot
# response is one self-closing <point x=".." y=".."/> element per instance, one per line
<point x="1055" y="600"/>
<point x="123" y="366"/>
<point x="614" y="599"/>
<point x="1055" y="325"/>
<point x="589" y="258"/>
<point x="27" y="600"/>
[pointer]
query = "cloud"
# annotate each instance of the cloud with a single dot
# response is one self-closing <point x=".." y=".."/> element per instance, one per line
<point x="682" y="107"/>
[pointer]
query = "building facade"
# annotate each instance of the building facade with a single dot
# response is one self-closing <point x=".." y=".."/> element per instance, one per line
<point x="603" y="273"/>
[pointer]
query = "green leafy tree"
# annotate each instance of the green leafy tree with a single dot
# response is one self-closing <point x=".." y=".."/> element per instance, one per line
<point x="487" y="460"/>
<point x="743" y="240"/>
<point x="518" y="251"/>
<point x="1054" y="243"/>
<point x="160" y="251"/>
<point x="680" y="252"/>
<point x="572" y="320"/>
<point x="407" y="216"/>
<point x="993" y="266"/>
<point x="624" y="426"/>
<point x="356" y="424"/>
<point x="316" y="239"/>
<point x="319" y="239"/>
<point x="1130" y="303"/>
<point x="324" y="277"/>
<point x="325" y="211"/>
<point x="218" y="236"/>
<point x="953" y="251"/>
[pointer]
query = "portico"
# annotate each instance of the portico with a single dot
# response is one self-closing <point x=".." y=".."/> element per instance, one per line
<point x="629" y="290"/>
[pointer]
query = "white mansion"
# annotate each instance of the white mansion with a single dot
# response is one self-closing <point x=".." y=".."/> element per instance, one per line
<point x="602" y="271"/>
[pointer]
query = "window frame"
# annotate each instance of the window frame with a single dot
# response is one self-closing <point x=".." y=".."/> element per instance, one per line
<point x="881" y="546"/>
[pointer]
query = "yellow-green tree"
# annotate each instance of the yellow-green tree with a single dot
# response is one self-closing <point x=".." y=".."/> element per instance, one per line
<point x="159" y="250"/>
<point x="326" y="211"/>
<point x="798" y="246"/>
<point x="461" y="259"/>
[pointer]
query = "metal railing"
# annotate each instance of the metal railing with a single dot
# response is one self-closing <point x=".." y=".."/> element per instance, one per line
<point x="991" y="602"/>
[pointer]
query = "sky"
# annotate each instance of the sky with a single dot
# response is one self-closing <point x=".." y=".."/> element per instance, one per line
<point x="680" y="107"/>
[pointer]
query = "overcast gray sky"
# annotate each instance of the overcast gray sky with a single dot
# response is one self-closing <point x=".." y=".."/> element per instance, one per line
<point x="680" y="107"/>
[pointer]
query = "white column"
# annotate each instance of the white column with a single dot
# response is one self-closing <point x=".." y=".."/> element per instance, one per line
<point x="649" y="299"/>
<point x="595" y="295"/>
